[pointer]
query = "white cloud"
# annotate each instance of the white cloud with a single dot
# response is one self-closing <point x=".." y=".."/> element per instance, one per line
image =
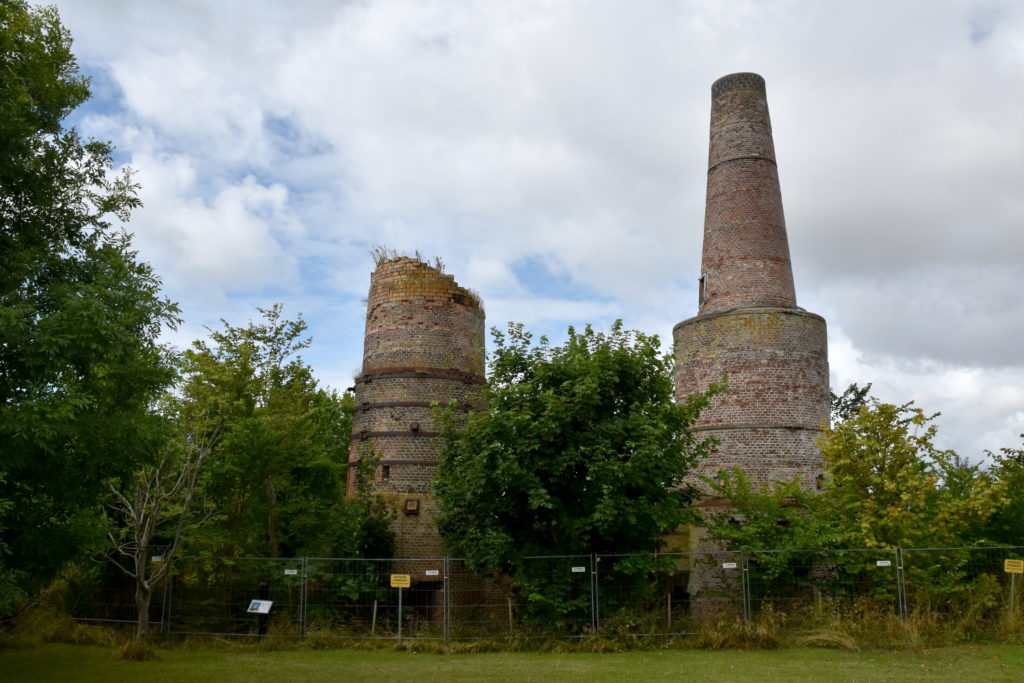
<point x="235" y="241"/>
<point x="982" y="408"/>
<point x="574" y="135"/>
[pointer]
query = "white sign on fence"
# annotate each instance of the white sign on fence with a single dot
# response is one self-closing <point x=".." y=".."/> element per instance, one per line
<point x="884" y="563"/>
<point x="579" y="570"/>
<point x="729" y="565"/>
<point x="260" y="606"/>
<point x="291" y="572"/>
<point x="432" y="572"/>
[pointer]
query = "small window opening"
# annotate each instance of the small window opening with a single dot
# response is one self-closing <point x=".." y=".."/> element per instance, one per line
<point x="702" y="288"/>
<point x="385" y="472"/>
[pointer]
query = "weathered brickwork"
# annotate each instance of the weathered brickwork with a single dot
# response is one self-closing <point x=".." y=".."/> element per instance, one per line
<point x="749" y="329"/>
<point x="424" y="344"/>
<point x="415" y="534"/>
<point x="775" y="359"/>
<point x="776" y="365"/>
<point x="746" y="253"/>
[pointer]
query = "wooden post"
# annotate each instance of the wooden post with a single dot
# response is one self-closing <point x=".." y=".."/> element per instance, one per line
<point x="400" y="591"/>
<point x="1013" y="595"/>
<point x="263" y="619"/>
<point x="373" y="620"/>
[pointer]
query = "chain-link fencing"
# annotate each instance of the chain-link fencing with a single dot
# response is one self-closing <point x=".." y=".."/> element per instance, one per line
<point x="659" y="594"/>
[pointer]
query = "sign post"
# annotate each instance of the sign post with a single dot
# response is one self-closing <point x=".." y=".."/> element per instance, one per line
<point x="401" y="582"/>
<point x="1013" y="567"/>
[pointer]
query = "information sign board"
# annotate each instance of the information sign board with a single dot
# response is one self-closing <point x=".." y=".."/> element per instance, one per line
<point x="260" y="606"/>
<point x="401" y="580"/>
<point x="1013" y="566"/>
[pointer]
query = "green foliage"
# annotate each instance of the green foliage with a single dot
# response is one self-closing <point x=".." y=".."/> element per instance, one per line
<point x="79" y="315"/>
<point x="1006" y="526"/>
<point x="278" y="470"/>
<point x="11" y="592"/>
<point x="580" y="449"/>
<point x="846" y="406"/>
<point x="891" y="487"/>
<point x="887" y="486"/>
<point x="164" y="501"/>
<point x="779" y="515"/>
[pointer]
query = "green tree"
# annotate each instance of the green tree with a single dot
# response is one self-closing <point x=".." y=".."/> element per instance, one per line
<point x="887" y="486"/>
<point x="847" y="405"/>
<point x="79" y="314"/>
<point x="150" y="515"/>
<point x="278" y="468"/>
<point x="892" y="487"/>
<point x="1006" y="526"/>
<point x="580" y="449"/>
<point x="778" y="515"/>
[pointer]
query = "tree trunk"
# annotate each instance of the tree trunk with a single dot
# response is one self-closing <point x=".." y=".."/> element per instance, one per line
<point x="143" y="595"/>
<point x="272" y="541"/>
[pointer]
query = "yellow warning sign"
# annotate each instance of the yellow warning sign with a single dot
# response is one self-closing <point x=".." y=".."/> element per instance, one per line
<point x="401" y="580"/>
<point x="1013" y="566"/>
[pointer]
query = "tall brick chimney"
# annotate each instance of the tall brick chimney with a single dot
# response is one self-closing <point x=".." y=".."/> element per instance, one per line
<point x="424" y="343"/>
<point x="746" y="253"/>
<point x="748" y="328"/>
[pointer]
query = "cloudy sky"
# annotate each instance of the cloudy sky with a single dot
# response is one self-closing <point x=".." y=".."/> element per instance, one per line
<point x="554" y="155"/>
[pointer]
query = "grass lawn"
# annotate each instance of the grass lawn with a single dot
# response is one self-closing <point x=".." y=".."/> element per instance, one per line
<point x="89" y="663"/>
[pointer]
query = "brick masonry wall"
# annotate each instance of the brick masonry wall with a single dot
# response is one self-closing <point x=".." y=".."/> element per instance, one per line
<point x="745" y="259"/>
<point x="415" y="535"/>
<point x="424" y="344"/>
<point x="748" y="328"/>
<point x="776" y="365"/>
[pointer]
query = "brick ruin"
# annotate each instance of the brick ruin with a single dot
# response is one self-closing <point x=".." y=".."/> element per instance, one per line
<point x="424" y="343"/>
<point x="425" y="339"/>
<point x="748" y="327"/>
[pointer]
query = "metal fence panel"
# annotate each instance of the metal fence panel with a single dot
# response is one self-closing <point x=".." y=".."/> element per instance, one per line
<point x="108" y="596"/>
<point x="558" y="596"/>
<point x="213" y="595"/>
<point x="665" y="593"/>
<point x="963" y="582"/>
<point x="354" y="598"/>
<point x="555" y="595"/>
<point x="481" y="606"/>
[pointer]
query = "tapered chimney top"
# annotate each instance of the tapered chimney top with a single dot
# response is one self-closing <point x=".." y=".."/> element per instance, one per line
<point x="746" y="253"/>
<point x="738" y="81"/>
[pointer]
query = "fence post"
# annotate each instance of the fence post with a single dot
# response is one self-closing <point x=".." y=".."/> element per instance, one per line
<point x="303" y="605"/>
<point x="594" y="620"/>
<point x="901" y="585"/>
<point x="446" y="600"/>
<point x="169" y="598"/>
<point x="745" y="585"/>
<point x="163" y="598"/>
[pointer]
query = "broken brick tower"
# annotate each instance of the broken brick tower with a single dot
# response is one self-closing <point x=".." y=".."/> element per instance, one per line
<point x="424" y="344"/>
<point x="748" y="327"/>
